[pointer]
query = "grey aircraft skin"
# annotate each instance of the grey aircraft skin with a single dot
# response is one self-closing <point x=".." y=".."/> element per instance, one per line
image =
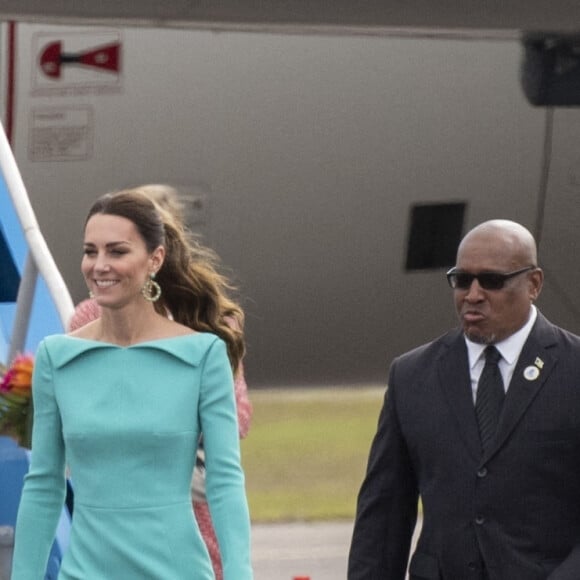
<point x="332" y="164"/>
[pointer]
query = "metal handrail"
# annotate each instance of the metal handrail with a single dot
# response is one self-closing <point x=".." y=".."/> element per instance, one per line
<point x="38" y="248"/>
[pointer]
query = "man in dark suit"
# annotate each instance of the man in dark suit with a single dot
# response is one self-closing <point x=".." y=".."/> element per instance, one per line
<point x="498" y="478"/>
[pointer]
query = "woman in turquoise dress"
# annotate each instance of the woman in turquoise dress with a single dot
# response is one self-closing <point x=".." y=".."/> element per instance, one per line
<point x="122" y="401"/>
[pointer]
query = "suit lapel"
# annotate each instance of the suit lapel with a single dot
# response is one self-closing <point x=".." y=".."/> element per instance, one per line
<point x="455" y="382"/>
<point x="526" y="382"/>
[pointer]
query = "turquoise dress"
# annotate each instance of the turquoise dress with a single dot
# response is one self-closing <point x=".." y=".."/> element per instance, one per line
<point x="126" y="421"/>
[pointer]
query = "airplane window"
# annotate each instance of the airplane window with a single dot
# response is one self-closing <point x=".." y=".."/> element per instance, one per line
<point x="434" y="234"/>
<point x="550" y="72"/>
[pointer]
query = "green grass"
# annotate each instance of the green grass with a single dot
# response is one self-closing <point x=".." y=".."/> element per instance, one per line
<point x="306" y="453"/>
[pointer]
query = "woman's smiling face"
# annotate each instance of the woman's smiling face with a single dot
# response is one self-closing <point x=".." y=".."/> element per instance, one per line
<point x="116" y="262"/>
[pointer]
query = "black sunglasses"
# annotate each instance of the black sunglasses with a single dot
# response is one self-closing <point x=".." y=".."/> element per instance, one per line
<point x="487" y="280"/>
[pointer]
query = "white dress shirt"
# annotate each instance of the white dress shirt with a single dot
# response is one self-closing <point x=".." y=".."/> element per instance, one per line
<point x="509" y="348"/>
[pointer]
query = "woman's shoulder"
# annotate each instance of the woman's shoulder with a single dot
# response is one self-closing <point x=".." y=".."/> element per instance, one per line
<point x="59" y="345"/>
<point x="85" y="331"/>
<point x="189" y="348"/>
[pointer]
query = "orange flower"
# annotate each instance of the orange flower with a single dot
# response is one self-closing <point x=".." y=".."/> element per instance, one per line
<point x="18" y="378"/>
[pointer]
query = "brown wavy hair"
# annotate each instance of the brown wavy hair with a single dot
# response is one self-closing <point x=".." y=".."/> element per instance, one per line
<point x="193" y="289"/>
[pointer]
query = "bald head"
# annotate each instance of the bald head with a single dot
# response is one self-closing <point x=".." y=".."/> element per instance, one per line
<point x="511" y="239"/>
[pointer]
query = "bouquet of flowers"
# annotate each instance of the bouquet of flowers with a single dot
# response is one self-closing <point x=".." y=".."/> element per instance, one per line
<point x="16" y="399"/>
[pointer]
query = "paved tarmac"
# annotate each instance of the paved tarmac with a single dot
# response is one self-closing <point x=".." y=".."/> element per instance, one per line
<point x="313" y="550"/>
<point x="317" y="551"/>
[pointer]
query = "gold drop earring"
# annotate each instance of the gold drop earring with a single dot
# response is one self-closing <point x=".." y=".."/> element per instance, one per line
<point x="151" y="290"/>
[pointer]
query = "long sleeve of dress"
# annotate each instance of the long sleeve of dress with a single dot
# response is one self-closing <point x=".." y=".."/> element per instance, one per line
<point x="224" y="476"/>
<point x="44" y="487"/>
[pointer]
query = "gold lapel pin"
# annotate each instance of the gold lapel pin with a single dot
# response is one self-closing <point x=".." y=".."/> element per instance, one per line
<point x="539" y="362"/>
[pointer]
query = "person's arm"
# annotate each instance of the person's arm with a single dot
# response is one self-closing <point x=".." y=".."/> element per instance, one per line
<point x="387" y="503"/>
<point x="224" y="476"/>
<point x="243" y="404"/>
<point x="44" y="485"/>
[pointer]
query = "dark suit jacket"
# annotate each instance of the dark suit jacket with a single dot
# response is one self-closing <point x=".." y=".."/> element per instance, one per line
<point x="515" y="510"/>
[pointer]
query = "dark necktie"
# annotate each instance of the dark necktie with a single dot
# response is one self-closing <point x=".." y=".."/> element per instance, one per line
<point x="489" y="398"/>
